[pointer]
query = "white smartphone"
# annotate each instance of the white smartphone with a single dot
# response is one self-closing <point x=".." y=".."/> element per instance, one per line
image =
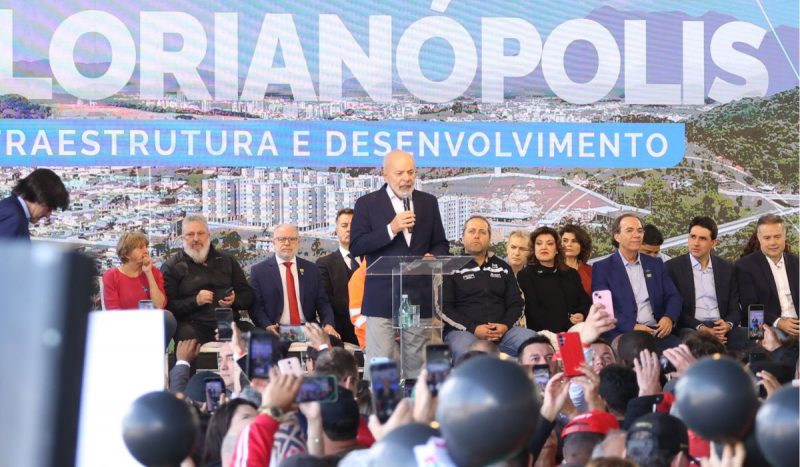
<point x="291" y="366"/>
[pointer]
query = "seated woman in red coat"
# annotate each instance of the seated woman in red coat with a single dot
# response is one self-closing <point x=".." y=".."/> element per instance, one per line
<point x="554" y="295"/>
<point x="136" y="280"/>
<point x="577" y="246"/>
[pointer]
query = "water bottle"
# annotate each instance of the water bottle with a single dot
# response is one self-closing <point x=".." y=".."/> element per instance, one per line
<point x="405" y="313"/>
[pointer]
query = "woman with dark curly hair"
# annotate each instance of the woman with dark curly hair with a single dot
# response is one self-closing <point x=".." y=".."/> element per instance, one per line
<point x="577" y="246"/>
<point x="554" y="296"/>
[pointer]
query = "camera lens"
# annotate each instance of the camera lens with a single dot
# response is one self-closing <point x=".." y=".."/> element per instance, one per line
<point x="666" y="366"/>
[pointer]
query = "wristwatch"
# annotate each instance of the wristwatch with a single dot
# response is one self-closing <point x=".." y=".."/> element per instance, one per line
<point x="273" y="412"/>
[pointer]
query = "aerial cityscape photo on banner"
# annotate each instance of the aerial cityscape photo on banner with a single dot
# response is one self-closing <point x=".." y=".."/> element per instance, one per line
<point x="492" y="77"/>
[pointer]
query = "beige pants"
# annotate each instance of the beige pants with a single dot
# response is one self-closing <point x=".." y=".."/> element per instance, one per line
<point x="382" y="342"/>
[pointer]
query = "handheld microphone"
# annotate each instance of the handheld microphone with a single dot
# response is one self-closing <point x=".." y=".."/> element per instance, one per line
<point x="407" y="207"/>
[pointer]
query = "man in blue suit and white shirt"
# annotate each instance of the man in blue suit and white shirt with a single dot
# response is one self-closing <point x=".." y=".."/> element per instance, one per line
<point x="382" y="226"/>
<point x="32" y="198"/>
<point x="289" y="289"/>
<point x="643" y="294"/>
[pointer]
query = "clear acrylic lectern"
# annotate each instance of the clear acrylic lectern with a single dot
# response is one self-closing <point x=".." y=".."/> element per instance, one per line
<point x="416" y="302"/>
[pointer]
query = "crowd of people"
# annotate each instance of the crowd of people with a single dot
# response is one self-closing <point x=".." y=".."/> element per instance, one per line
<point x="643" y="323"/>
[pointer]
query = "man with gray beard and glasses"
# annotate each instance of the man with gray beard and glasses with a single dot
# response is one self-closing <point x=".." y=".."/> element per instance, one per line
<point x="199" y="279"/>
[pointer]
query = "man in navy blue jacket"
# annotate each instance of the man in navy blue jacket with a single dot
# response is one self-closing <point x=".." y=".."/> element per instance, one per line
<point x="642" y="292"/>
<point x="382" y="226"/>
<point x="33" y="198"/>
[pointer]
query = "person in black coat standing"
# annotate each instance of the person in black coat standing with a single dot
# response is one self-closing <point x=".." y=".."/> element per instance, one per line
<point x="554" y="297"/>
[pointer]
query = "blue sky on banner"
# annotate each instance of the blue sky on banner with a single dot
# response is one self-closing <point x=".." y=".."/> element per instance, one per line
<point x="35" y="21"/>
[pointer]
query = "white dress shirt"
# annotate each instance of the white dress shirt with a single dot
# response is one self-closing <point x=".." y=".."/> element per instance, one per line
<point x="348" y="260"/>
<point x="706" y="307"/>
<point x="644" y="311"/>
<point x="784" y="291"/>
<point x="397" y="204"/>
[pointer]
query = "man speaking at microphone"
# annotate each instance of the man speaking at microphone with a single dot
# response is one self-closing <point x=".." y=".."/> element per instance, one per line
<point x="396" y="220"/>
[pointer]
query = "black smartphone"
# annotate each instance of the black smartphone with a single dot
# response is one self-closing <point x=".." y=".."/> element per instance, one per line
<point x="386" y="391"/>
<point x="438" y="362"/>
<point x="320" y="388"/>
<point x="214" y="389"/>
<point x="541" y="376"/>
<point x="755" y="322"/>
<point x="225" y="293"/>
<point x="666" y="366"/>
<point x="263" y="353"/>
<point x="146" y="305"/>
<point x="224" y="319"/>
<point x="753" y="357"/>
<point x="710" y="323"/>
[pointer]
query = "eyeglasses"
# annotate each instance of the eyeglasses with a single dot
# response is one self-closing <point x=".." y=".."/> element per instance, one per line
<point x="286" y="239"/>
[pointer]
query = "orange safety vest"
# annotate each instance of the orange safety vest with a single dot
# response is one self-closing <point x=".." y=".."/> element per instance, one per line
<point x="355" y="287"/>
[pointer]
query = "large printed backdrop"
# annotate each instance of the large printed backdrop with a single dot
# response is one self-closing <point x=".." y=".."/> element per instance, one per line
<point x="528" y="113"/>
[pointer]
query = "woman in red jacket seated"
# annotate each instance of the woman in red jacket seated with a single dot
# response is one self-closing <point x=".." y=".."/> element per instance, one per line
<point x="135" y="280"/>
<point x="577" y="246"/>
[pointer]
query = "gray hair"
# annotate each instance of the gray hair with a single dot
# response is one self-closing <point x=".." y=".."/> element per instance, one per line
<point x="616" y="226"/>
<point x="285" y="225"/>
<point x="194" y="218"/>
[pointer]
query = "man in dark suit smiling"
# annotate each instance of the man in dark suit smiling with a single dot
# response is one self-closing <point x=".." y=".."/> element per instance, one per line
<point x="396" y="220"/>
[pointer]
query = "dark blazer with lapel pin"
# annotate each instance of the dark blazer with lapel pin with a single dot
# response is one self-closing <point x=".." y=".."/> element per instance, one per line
<point x="335" y="277"/>
<point x="265" y="278"/>
<point x="13" y="222"/>
<point x="369" y="237"/>
<point x="757" y="285"/>
<point x="610" y="274"/>
<point x="680" y="270"/>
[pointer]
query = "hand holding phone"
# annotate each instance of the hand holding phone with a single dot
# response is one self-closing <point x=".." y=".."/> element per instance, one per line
<point x="755" y="322"/>
<point x="263" y="353"/>
<point x="603" y="297"/>
<point x="292" y="333"/>
<point x="438" y="363"/>
<point x="291" y="366"/>
<point x="571" y="351"/>
<point x="214" y="390"/>
<point x="225" y="297"/>
<point x="386" y="391"/>
<point x="541" y="376"/>
<point x="224" y="327"/>
<point x="320" y="388"/>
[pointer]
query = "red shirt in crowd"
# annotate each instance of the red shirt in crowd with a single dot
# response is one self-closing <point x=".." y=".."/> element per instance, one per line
<point x="121" y="292"/>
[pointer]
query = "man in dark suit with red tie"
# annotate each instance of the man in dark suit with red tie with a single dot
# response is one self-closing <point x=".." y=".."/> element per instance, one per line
<point x="396" y="220"/>
<point x="289" y="289"/>
<point x="336" y="269"/>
